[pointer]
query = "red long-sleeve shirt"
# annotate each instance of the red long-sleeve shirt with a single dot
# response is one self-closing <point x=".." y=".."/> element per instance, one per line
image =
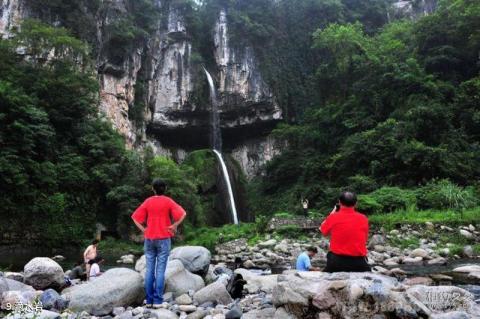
<point x="156" y="212"/>
<point x="348" y="232"/>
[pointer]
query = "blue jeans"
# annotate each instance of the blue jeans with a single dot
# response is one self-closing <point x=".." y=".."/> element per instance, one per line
<point x="156" y="254"/>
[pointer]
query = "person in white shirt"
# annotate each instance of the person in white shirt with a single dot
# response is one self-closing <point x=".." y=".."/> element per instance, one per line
<point x="95" y="268"/>
<point x="90" y="254"/>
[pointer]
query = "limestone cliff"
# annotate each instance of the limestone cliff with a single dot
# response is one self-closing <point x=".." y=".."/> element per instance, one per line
<point x="413" y="9"/>
<point x="173" y="121"/>
<point x="242" y="89"/>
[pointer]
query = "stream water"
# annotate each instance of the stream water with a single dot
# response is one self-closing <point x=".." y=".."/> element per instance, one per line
<point x="15" y="258"/>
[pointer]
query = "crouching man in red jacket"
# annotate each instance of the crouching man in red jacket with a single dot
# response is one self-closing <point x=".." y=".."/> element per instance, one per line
<point x="348" y="231"/>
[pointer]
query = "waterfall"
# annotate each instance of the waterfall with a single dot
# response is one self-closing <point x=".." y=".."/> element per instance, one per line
<point x="216" y="141"/>
<point x="229" y="186"/>
<point x="216" y="134"/>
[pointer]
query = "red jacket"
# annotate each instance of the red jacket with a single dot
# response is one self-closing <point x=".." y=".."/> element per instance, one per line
<point x="348" y="232"/>
<point x="156" y="212"/>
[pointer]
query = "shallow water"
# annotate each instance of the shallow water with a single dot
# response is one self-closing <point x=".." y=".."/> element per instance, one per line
<point x="15" y="258"/>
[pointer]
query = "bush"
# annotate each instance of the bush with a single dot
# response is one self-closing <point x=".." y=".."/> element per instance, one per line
<point x="367" y="204"/>
<point x="386" y="200"/>
<point x="443" y="194"/>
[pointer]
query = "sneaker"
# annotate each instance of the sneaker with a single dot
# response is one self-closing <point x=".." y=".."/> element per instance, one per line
<point x="149" y="305"/>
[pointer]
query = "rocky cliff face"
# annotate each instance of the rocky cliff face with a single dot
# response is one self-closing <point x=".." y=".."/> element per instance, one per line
<point x="173" y="120"/>
<point x="242" y="89"/>
<point x="413" y="9"/>
<point x="246" y="105"/>
<point x="11" y="14"/>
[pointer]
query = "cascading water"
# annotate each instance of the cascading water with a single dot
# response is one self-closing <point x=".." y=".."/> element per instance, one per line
<point x="216" y="134"/>
<point x="216" y="141"/>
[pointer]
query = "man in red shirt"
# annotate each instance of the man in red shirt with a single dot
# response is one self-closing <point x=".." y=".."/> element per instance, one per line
<point x="154" y="219"/>
<point x="348" y="231"/>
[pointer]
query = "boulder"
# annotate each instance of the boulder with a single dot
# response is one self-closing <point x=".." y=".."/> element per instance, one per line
<point x="180" y="281"/>
<point x="44" y="314"/>
<point x="437" y="261"/>
<point x="115" y="288"/>
<point x="43" y="272"/>
<point x="376" y="240"/>
<point x="442" y="299"/>
<point x="419" y="252"/>
<point x="199" y="314"/>
<point x="267" y="313"/>
<point x="468" y="251"/>
<point x="9" y="284"/>
<point x="12" y="297"/>
<point x="418" y="281"/>
<point x="412" y="260"/>
<point x="50" y="299"/>
<point x="234" y="313"/>
<point x="14" y="276"/>
<point x="126" y="259"/>
<point x="184" y="299"/>
<point x="162" y="314"/>
<point x="141" y="266"/>
<point x="467" y="269"/>
<point x="196" y="259"/>
<point x="267" y="244"/>
<point x="311" y="294"/>
<point x="215" y="292"/>
<point x="58" y="258"/>
<point x="256" y="283"/>
<point x="187" y="308"/>
<point x="466" y="233"/>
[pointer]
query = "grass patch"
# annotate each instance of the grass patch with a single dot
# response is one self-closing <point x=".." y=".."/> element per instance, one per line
<point x="445" y="217"/>
<point x="210" y="236"/>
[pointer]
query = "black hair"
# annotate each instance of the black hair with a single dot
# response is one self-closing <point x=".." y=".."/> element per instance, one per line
<point x="95" y="260"/>
<point x="95" y="241"/>
<point x="348" y="199"/>
<point x="78" y="263"/>
<point x="313" y="249"/>
<point x="159" y="186"/>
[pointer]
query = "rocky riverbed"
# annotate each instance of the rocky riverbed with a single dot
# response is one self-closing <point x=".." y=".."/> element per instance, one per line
<point x="385" y="249"/>
<point x="196" y="284"/>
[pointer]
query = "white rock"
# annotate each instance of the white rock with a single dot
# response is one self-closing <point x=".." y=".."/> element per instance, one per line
<point x="196" y="259"/>
<point x="467" y="269"/>
<point x="215" y="292"/>
<point x="466" y="233"/>
<point x="411" y="261"/>
<point x="419" y="252"/>
<point x="179" y="281"/>
<point x="117" y="287"/>
<point x="43" y="272"/>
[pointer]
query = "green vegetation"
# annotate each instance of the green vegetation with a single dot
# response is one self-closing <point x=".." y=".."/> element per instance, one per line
<point x="60" y="163"/>
<point x="391" y="109"/>
<point x="388" y="109"/>
<point x="415" y="217"/>
<point x="210" y="236"/>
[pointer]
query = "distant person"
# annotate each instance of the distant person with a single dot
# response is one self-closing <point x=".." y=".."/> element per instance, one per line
<point x="90" y="254"/>
<point x="348" y="231"/>
<point x="95" y="268"/>
<point x="305" y="207"/>
<point x="303" y="261"/>
<point x="77" y="271"/>
<point x="154" y="219"/>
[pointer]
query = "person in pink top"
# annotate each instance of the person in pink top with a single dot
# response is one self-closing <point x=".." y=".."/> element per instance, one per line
<point x="154" y="218"/>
